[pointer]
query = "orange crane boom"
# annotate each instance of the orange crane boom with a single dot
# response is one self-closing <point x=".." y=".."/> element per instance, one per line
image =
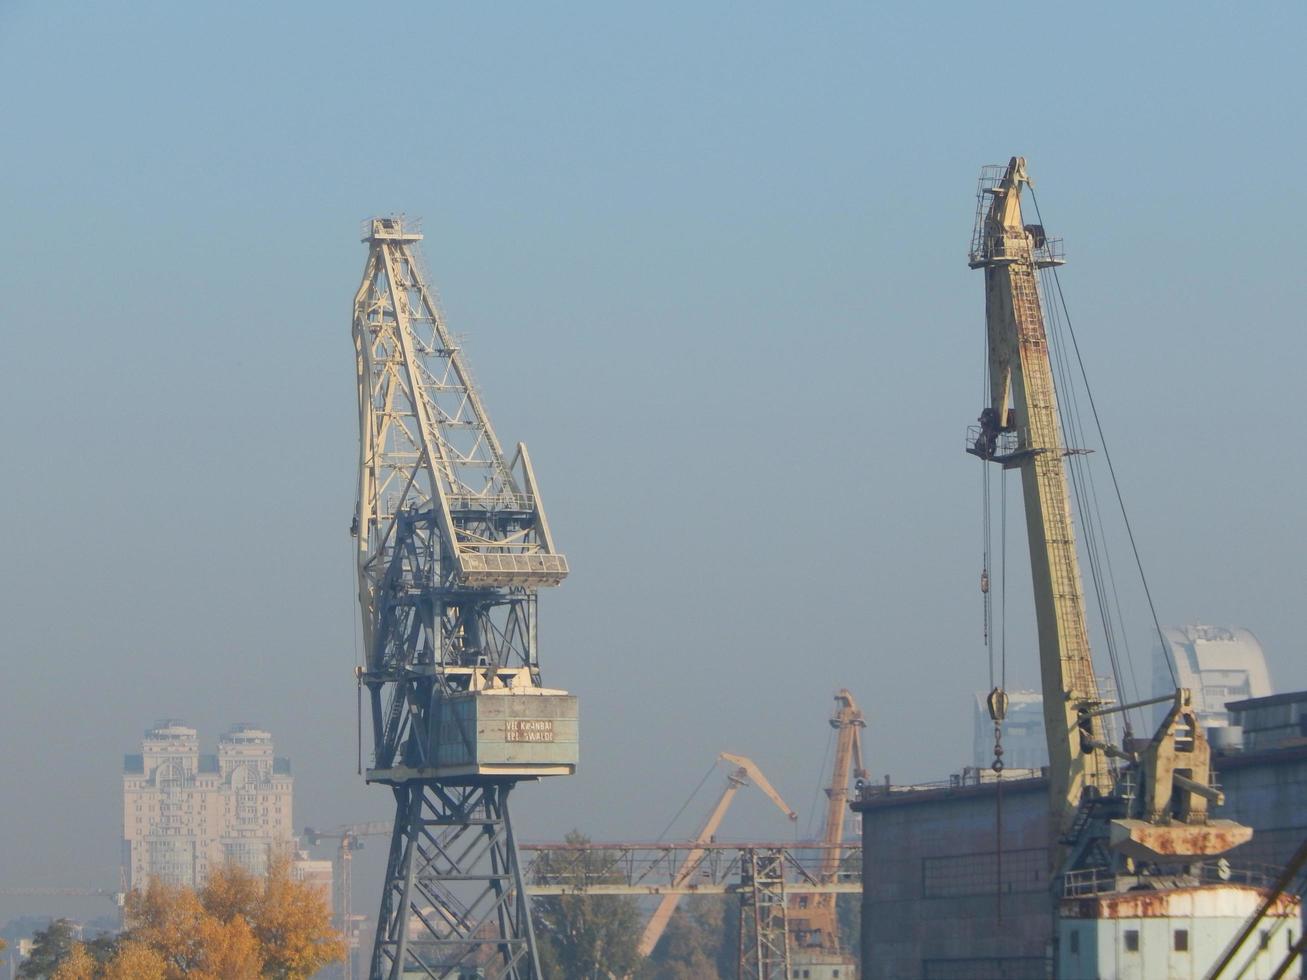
<point x="814" y="921"/>
<point x="745" y="771"/>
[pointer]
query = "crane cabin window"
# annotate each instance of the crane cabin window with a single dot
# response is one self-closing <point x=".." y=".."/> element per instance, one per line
<point x="1132" y="940"/>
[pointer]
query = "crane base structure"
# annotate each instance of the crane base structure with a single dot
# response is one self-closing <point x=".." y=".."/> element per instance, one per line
<point x="454" y="865"/>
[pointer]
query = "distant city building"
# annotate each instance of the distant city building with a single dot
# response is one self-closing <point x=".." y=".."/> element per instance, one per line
<point x="315" y="872"/>
<point x="1218" y="664"/>
<point x="185" y="813"/>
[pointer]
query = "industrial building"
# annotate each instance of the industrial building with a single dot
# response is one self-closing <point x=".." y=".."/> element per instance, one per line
<point x="185" y="812"/>
<point x="932" y="902"/>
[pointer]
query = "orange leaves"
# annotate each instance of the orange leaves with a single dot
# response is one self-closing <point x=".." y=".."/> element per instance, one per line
<point x="294" y="926"/>
<point x="232" y="891"/>
<point x="77" y="965"/>
<point x="238" y="927"/>
<point x="135" y="961"/>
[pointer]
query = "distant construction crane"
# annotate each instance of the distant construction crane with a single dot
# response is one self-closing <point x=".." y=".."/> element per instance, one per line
<point x="118" y="898"/>
<point x="453" y="545"/>
<point x="787" y="912"/>
<point x="814" y="919"/>
<point x="349" y="839"/>
<point x="743" y="772"/>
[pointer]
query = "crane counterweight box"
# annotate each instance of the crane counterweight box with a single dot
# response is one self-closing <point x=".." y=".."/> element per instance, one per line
<point x="530" y="732"/>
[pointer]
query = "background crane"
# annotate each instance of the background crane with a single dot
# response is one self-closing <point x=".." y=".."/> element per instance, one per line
<point x="348" y="838"/>
<point x="744" y="772"/>
<point x="452" y="546"/>
<point x="814" y="918"/>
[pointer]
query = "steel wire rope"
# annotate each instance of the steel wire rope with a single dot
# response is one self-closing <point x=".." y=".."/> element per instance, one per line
<point x="1082" y="483"/>
<point x="1002" y="683"/>
<point x="1000" y="689"/>
<point x="1102" y="571"/>
<point x="711" y="768"/>
<point x="1107" y="455"/>
<point x="985" y="533"/>
<point x="1002" y="579"/>
<point x="359" y="666"/>
<point x="816" y="790"/>
<point x="986" y="554"/>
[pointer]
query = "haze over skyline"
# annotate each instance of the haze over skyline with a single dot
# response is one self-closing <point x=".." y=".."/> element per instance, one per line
<point x="710" y="265"/>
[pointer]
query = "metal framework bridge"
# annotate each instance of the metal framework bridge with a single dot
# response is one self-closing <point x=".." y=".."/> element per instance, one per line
<point x="641" y="869"/>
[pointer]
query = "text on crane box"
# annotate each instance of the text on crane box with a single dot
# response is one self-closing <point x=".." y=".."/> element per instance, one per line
<point x="528" y="730"/>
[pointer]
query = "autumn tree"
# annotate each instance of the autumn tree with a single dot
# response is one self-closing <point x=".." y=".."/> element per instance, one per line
<point x="292" y="922"/>
<point x="76" y="965"/>
<point x="167" y="918"/>
<point x="239" y="926"/>
<point x="135" y="961"/>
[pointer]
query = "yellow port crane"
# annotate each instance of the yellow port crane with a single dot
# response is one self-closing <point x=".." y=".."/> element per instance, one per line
<point x="1131" y="822"/>
<point x="744" y="772"/>
<point x="814" y="921"/>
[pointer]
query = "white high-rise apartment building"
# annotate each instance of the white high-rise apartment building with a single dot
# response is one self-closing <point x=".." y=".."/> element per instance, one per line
<point x="185" y="813"/>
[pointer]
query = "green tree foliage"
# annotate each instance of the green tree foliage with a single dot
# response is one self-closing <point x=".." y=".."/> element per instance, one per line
<point x="700" y="942"/>
<point x="585" y="937"/>
<point x="49" y="946"/>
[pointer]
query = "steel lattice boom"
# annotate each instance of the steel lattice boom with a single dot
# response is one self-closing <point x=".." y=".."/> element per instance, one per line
<point x="452" y="545"/>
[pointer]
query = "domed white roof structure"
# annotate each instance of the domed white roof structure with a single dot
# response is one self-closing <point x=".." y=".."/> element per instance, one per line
<point x="1218" y="664"/>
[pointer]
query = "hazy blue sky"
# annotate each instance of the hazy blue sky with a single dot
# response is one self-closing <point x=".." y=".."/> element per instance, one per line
<point x="709" y="260"/>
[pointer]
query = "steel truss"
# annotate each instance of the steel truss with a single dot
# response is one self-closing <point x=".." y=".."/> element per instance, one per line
<point x="764" y="927"/>
<point x="453" y="864"/>
<point x="683" y="868"/>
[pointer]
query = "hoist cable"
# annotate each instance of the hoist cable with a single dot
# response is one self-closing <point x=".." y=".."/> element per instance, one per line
<point x="1116" y="486"/>
<point x="359" y="665"/>
<point x="692" y="795"/>
<point x="816" y="790"/>
<point x="1002" y="579"/>
<point x="986" y="550"/>
<point x="986" y="547"/>
<point x="1082" y="481"/>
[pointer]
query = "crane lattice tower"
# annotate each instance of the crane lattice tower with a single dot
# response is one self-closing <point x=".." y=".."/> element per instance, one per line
<point x="453" y="545"/>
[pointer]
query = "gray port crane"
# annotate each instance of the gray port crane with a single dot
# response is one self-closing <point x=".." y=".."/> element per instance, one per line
<point x="452" y="546"/>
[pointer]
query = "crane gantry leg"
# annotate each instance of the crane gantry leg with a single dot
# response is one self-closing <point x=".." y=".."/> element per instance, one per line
<point x="454" y="873"/>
